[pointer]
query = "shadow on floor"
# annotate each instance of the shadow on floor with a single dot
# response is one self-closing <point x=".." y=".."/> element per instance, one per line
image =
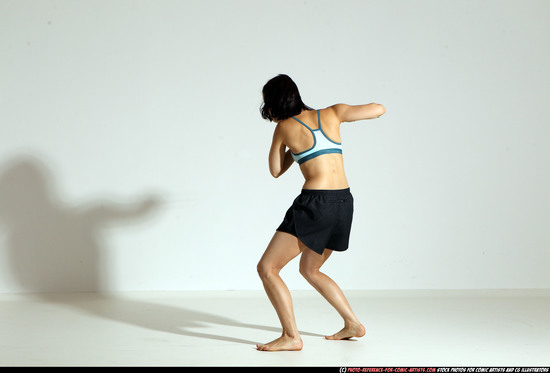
<point x="155" y="316"/>
<point x="55" y="247"/>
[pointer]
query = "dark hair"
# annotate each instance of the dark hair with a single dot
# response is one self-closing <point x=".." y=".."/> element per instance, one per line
<point x="281" y="99"/>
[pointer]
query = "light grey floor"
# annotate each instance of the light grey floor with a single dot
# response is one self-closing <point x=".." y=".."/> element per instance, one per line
<point x="404" y="328"/>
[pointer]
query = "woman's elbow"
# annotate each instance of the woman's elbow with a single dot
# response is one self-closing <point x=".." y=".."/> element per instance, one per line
<point x="381" y="110"/>
<point x="275" y="173"/>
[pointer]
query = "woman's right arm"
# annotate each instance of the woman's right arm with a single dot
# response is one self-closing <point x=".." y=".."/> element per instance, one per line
<point x="352" y="113"/>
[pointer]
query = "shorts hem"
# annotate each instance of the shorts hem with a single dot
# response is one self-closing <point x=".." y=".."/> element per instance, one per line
<point x="320" y="252"/>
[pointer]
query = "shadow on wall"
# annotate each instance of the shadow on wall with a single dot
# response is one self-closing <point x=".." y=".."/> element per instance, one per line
<point x="55" y="251"/>
<point x="52" y="247"/>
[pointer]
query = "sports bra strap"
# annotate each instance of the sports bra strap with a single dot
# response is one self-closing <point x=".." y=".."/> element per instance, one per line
<point x="305" y="125"/>
<point x="308" y="127"/>
<point x="322" y="144"/>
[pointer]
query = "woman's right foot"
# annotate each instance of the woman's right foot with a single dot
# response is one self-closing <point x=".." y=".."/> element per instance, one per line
<point x="349" y="331"/>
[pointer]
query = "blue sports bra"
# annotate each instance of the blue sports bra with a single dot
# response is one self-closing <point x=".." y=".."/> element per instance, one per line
<point x="321" y="144"/>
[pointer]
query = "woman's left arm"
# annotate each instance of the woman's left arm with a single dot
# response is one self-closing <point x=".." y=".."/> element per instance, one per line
<point x="279" y="159"/>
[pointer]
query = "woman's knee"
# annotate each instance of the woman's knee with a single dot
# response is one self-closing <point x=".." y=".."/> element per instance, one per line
<point x="266" y="269"/>
<point x="309" y="272"/>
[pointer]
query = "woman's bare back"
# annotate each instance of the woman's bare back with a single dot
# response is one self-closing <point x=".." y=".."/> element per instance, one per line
<point x="325" y="171"/>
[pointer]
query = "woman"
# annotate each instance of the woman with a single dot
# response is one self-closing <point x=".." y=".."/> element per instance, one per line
<point x="319" y="220"/>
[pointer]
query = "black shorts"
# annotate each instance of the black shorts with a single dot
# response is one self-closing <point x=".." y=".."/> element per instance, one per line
<point x="321" y="219"/>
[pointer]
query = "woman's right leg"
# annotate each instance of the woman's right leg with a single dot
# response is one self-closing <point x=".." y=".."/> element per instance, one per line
<point x="310" y="265"/>
<point x="282" y="249"/>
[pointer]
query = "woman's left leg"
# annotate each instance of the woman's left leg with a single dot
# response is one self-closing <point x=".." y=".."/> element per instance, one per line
<point x="281" y="250"/>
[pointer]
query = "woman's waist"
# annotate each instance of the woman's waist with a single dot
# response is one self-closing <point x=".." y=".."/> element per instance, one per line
<point x="323" y="184"/>
<point x="334" y="193"/>
<point x="324" y="172"/>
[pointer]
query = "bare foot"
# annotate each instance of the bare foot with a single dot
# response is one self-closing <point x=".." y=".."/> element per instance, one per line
<point x="283" y="343"/>
<point x="354" y="330"/>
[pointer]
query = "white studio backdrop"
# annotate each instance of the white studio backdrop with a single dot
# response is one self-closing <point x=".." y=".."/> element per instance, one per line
<point x="133" y="156"/>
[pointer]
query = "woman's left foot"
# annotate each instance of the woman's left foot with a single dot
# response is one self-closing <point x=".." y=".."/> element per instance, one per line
<point x="284" y="343"/>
